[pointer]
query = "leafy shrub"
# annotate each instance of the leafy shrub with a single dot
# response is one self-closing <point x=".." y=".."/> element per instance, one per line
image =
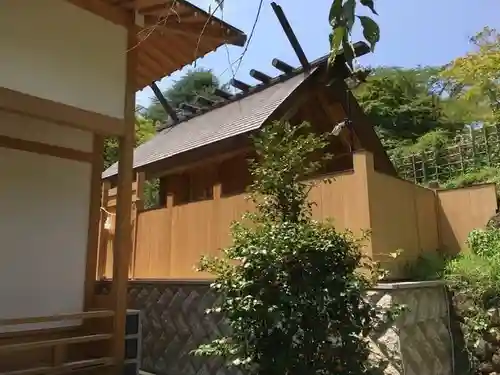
<point x="293" y="295"/>
<point x="474" y="279"/>
<point x="485" y="243"/>
<point x="483" y="175"/>
<point x="428" y="266"/>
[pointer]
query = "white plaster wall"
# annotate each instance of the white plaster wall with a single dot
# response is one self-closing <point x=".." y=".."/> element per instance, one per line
<point x="55" y="50"/>
<point x="18" y="126"/>
<point x="44" y="207"/>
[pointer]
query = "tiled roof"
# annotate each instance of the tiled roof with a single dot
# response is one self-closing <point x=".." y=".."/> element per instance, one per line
<point x="245" y="113"/>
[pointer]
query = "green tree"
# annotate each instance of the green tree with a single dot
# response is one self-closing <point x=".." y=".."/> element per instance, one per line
<point x="185" y="90"/>
<point x="405" y="104"/>
<point x="479" y="73"/>
<point x="144" y="130"/>
<point x="342" y="18"/>
<point x="292" y="291"/>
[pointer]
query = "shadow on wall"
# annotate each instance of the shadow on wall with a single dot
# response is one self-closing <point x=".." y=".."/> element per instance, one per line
<point x="462" y="210"/>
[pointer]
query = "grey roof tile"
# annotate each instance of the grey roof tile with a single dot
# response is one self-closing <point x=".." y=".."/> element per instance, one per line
<point x="237" y="117"/>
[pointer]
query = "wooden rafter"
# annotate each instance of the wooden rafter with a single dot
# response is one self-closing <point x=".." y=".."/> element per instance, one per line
<point x="168" y="39"/>
<point x="173" y="26"/>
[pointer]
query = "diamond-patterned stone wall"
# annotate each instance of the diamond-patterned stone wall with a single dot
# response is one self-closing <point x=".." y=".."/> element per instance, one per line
<point x="419" y="342"/>
<point x="174" y="323"/>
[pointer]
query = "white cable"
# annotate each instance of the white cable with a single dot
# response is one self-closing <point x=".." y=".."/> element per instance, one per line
<point x="107" y="212"/>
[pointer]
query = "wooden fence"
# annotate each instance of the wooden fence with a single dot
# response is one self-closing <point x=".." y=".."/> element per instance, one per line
<point x="169" y="241"/>
<point x="471" y="149"/>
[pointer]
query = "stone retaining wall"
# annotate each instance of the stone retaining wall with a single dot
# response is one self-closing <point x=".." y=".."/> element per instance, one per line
<point x="175" y="323"/>
<point x="419" y="343"/>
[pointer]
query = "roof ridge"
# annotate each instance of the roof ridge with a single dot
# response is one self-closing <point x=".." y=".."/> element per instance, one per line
<point x="244" y="94"/>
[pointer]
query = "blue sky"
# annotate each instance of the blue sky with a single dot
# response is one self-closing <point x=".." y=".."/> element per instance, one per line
<point x="413" y="32"/>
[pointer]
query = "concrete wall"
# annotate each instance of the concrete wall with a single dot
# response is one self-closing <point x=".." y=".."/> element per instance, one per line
<point x="44" y="205"/>
<point x="57" y="51"/>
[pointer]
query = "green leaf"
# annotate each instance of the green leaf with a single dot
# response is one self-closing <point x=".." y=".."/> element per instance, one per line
<point x="348" y="12"/>
<point x="335" y="42"/>
<point x="371" y="31"/>
<point x="335" y="12"/>
<point x="348" y="51"/>
<point x="369" y="4"/>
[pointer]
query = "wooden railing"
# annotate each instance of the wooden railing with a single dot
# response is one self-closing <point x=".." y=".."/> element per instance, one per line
<point x="51" y="353"/>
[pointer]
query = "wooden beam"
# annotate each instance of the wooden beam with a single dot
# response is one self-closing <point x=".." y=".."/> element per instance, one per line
<point x="51" y="343"/>
<point x="189" y="107"/>
<point x="264" y="78"/>
<point x="159" y="95"/>
<point x="340" y="68"/>
<point x="283" y="66"/>
<point x="292" y="38"/>
<point x="206" y="101"/>
<point x="202" y="163"/>
<point x="96" y="314"/>
<point x="63" y="114"/>
<point x="222" y="94"/>
<point x="240" y="85"/>
<point x="122" y="244"/>
<point x="93" y="364"/>
<point x="45" y="149"/>
<point x="94" y="216"/>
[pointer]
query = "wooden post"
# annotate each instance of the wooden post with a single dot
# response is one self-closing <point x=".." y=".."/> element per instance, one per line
<point x="424" y="166"/>
<point x="136" y="209"/>
<point x="487" y="146"/>
<point x="122" y="244"/>
<point x="414" y="167"/>
<point x="103" y="233"/>
<point x="169" y="203"/>
<point x="473" y="144"/>
<point x="162" y="192"/>
<point x="437" y="165"/>
<point x="461" y="153"/>
<point x="93" y="221"/>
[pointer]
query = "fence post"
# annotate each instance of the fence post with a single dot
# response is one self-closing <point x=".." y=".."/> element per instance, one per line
<point x="487" y="146"/>
<point x="460" y="151"/>
<point x="436" y="164"/>
<point x="473" y="143"/>
<point x="424" y="167"/>
<point x="414" y="168"/>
